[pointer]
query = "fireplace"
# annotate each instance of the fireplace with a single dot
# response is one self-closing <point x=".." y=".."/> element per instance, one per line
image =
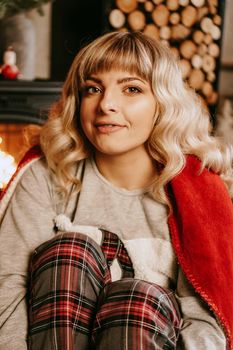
<point x="23" y="110"/>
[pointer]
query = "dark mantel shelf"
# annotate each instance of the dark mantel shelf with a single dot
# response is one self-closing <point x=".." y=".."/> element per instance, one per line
<point x="27" y="101"/>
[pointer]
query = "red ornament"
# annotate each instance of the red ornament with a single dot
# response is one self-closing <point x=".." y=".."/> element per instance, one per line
<point x="9" y="70"/>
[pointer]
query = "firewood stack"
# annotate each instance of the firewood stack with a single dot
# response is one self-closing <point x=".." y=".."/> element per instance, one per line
<point x="191" y="28"/>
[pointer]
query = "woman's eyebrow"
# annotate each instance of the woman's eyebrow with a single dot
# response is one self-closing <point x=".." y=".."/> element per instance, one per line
<point x="129" y="79"/>
<point x="99" y="81"/>
<point x="119" y="81"/>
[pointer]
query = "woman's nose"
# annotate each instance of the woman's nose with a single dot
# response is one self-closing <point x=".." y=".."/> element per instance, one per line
<point x="108" y="102"/>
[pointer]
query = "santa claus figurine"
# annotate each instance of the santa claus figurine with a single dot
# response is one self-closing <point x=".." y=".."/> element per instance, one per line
<point x="9" y="70"/>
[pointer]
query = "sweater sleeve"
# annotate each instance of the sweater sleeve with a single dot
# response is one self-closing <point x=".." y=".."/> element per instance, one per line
<point x="200" y="330"/>
<point x="27" y="223"/>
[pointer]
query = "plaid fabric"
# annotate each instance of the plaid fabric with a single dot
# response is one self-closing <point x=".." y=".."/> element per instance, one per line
<point x="113" y="248"/>
<point x="74" y="304"/>
<point x="67" y="275"/>
<point x="137" y="315"/>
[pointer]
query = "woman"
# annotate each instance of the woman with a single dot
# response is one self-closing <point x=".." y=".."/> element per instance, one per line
<point x="128" y="213"/>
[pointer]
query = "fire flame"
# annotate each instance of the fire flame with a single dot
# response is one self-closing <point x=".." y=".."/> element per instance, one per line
<point x="7" y="168"/>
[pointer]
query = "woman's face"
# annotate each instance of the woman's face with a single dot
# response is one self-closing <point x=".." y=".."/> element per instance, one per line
<point x="117" y="112"/>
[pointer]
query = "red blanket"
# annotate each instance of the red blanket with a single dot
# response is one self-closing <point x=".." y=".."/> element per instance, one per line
<point x="201" y="227"/>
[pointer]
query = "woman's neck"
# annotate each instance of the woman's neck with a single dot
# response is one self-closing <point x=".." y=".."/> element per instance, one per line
<point x="127" y="172"/>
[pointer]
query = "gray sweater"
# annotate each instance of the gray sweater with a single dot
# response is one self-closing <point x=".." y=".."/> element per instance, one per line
<point x="138" y="220"/>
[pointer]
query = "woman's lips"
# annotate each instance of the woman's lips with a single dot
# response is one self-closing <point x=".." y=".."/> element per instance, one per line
<point x="108" y="128"/>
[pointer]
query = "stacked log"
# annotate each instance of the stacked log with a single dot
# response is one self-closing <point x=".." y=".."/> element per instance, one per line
<point x="192" y="29"/>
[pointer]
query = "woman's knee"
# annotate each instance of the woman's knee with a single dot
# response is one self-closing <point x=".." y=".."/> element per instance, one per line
<point x="68" y="241"/>
<point x="137" y="304"/>
<point x="160" y="303"/>
<point x="69" y="252"/>
<point x="149" y="294"/>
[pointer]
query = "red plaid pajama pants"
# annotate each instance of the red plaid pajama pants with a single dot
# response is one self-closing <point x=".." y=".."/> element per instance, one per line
<point x="74" y="305"/>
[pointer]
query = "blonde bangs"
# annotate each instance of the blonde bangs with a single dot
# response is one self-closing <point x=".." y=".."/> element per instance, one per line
<point x="122" y="53"/>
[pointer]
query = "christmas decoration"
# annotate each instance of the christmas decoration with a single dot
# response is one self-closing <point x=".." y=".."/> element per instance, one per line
<point x="9" y="70"/>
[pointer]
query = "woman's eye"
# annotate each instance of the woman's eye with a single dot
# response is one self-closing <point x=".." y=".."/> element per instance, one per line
<point x="92" y="90"/>
<point x="133" y="90"/>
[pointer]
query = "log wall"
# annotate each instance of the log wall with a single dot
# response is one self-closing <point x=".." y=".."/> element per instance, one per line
<point x="191" y="28"/>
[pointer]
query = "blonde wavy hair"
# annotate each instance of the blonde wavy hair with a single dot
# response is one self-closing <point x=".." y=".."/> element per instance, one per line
<point x="182" y="122"/>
